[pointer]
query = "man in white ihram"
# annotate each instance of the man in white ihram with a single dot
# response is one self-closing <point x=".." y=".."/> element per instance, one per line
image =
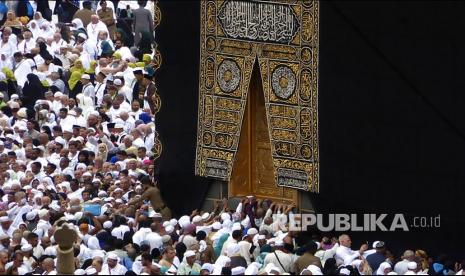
<point x="402" y="267"/>
<point x="112" y="267"/>
<point x="346" y="255"/>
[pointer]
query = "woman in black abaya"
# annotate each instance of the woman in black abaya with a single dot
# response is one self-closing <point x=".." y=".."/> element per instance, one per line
<point x="33" y="90"/>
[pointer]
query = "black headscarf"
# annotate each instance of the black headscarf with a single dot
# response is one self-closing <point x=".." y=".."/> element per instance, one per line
<point x="33" y="90"/>
<point x="330" y="267"/>
<point x="123" y="26"/>
<point x="145" y="43"/>
<point x="43" y="49"/>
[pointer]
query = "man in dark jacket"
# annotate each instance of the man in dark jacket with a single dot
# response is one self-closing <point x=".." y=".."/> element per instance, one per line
<point x="375" y="259"/>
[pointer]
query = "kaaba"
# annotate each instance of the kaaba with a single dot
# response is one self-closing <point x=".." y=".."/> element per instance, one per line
<point x="355" y="108"/>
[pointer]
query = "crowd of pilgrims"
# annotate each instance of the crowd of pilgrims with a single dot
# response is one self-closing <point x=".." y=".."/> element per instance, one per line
<point x="77" y="132"/>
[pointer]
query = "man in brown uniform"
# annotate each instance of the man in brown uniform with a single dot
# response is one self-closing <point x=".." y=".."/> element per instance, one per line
<point x="85" y="14"/>
<point x="106" y="16"/>
<point x="153" y="194"/>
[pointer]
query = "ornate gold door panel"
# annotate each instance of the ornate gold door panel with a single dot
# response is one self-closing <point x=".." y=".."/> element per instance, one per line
<point x="277" y="125"/>
<point x="253" y="171"/>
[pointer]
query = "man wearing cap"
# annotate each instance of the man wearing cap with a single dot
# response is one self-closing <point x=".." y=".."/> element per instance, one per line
<point x="189" y="266"/>
<point x="123" y="89"/>
<point x="246" y="245"/>
<point x="375" y="259"/>
<point x="87" y="45"/>
<point x="87" y="87"/>
<point x="6" y="228"/>
<point x="112" y="267"/>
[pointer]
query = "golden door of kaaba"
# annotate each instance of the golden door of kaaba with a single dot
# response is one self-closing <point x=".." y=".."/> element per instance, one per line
<point x="252" y="172"/>
<point x="258" y="96"/>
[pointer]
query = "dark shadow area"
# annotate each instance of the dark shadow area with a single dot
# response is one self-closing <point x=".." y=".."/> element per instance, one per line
<point x="178" y="39"/>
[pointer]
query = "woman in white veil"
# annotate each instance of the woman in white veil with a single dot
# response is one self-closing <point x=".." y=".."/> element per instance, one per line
<point x="88" y="106"/>
<point x="80" y="100"/>
<point x="39" y="18"/>
<point x="47" y="30"/>
<point x="34" y="27"/>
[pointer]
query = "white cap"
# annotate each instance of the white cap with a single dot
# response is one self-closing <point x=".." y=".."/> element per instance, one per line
<point x="109" y="199"/>
<point x="197" y="219"/>
<point x="60" y="140"/>
<point x="80" y="272"/>
<point x="238" y="270"/>
<point x="117" y="82"/>
<point x="31" y="215"/>
<point x="207" y="266"/>
<point x="112" y="256"/>
<point x="91" y="270"/>
<point x="225" y="216"/>
<point x="87" y="174"/>
<point x="216" y="225"/>
<point x="189" y="253"/>
<point x="252" y="231"/>
<point x="184" y="221"/>
<point x="107" y="224"/>
<point x="85" y="77"/>
<point x="26" y="247"/>
<point x="205" y="216"/>
<point x="169" y="229"/>
<point x="42" y="213"/>
<point x="236" y="226"/>
<point x="82" y="35"/>
<point x="50" y="251"/>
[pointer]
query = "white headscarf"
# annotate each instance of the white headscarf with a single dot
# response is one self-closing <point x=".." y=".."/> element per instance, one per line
<point x="382" y="267"/>
<point x="41" y="19"/>
<point x="78" y="23"/>
<point x="80" y="97"/>
<point x="93" y="243"/>
<point x="34" y="28"/>
<point x="88" y="106"/>
<point x="48" y="31"/>
<point x="22" y="71"/>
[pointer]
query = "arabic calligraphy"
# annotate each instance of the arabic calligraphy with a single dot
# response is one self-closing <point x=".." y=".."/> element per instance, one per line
<point x="258" y="21"/>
